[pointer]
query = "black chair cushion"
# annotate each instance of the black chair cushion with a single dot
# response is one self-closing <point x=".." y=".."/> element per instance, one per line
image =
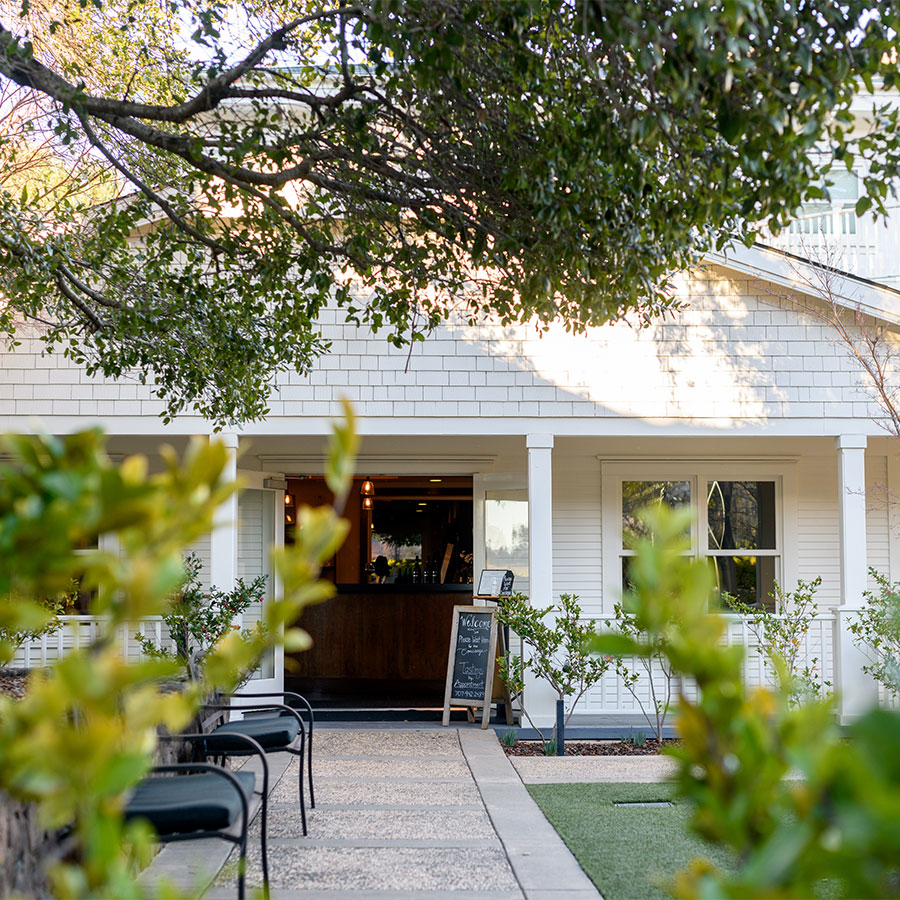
<point x="270" y="732"/>
<point x="199" y="801"/>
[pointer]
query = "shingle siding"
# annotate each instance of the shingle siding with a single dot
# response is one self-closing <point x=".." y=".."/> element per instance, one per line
<point x="734" y="351"/>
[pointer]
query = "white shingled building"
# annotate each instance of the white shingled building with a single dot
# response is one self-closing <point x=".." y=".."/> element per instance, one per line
<point x="744" y="390"/>
<point x="504" y="448"/>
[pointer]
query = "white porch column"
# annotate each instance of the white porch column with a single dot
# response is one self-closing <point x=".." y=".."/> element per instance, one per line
<point x="223" y="541"/>
<point x="539" y="698"/>
<point x="856" y="690"/>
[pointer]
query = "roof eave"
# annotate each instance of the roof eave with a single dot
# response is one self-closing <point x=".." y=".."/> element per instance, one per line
<point x="789" y="271"/>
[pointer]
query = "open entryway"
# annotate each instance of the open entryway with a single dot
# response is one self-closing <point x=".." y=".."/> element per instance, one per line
<point x="381" y="642"/>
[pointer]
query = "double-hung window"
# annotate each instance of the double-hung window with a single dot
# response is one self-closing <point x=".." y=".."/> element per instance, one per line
<point x="737" y="522"/>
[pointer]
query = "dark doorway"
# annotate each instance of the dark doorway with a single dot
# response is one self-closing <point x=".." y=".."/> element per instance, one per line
<point x="381" y="642"/>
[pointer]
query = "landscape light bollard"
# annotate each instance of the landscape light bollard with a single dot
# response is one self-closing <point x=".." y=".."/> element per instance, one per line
<point x="560" y="728"/>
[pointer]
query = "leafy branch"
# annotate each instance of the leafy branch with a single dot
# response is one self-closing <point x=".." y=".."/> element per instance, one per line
<point x="557" y="654"/>
<point x="198" y="619"/>
<point x="876" y="631"/>
<point x="782" y="635"/>
<point x="409" y="162"/>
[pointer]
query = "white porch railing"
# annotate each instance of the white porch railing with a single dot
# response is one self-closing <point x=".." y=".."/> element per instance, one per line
<point x="887" y="699"/>
<point x="610" y="697"/>
<point x="76" y="632"/>
<point x="836" y="237"/>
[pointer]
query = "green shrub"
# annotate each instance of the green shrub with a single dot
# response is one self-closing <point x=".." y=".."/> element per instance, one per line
<point x="651" y="667"/>
<point x="782" y="634"/>
<point x="876" y="631"/>
<point x="31" y="620"/>
<point x="198" y="619"/>
<point x="558" y="654"/>
<point x="637" y="738"/>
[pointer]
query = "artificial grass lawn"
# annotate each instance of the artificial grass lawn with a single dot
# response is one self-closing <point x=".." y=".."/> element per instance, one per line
<point x="627" y="853"/>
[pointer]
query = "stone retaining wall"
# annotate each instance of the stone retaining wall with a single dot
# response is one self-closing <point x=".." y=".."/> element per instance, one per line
<point x="25" y="847"/>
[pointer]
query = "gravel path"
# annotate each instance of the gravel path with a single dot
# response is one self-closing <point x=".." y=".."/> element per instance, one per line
<point x="586" y="769"/>
<point x="402" y="814"/>
<point x="397" y="814"/>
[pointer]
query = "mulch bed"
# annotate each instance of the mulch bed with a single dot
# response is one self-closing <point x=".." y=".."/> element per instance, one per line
<point x="650" y="747"/>
<point x="12" y="684"/>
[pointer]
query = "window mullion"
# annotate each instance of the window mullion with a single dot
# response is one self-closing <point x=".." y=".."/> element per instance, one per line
<point x="753" y="509"/>
<point x="740" y="551"/>
<point x="701" y="516"/>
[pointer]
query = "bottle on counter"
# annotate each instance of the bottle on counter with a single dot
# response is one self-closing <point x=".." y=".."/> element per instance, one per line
<point x="417" y="571"/>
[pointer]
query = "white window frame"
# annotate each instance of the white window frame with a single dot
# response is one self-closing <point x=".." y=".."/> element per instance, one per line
<point x="698" y="472"/>
<point x="484" y="483"/>
<point x="273" y="529"/>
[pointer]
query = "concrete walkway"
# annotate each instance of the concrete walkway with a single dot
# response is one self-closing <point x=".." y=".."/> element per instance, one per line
<point x="401" y="813"/>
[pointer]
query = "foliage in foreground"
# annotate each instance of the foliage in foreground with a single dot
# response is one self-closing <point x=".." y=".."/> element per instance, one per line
<point x="558" y="654"/>
<point x="86" y="729"/>
<point x="530" y="161"/>
<point x="27" y="624"/>
<point x="876" y="630"/>
<point x="840" y="822"/>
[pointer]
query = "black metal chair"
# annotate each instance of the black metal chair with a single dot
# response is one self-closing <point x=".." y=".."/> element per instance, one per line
<point x="211" y="801"/>
<point x="284" y="731"/>
<point x="308" y="710"/>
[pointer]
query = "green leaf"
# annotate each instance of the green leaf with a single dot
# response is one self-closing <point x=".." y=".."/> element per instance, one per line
<point x="612" y="644"/>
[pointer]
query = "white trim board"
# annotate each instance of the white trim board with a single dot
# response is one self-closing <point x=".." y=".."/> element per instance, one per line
<point x="409" y="428"/>
<point x="384" y="465"/>
<point x="770" y="264"/>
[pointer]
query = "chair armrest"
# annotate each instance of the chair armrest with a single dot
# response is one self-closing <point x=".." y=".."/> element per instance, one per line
<point x="262" y="707"/>
<point x="285" y="694"/>
<point x="211" y="738"/>
<point x="208" y="741"/>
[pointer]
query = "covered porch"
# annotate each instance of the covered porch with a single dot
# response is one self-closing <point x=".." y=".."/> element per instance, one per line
<point x="550" y="506"/>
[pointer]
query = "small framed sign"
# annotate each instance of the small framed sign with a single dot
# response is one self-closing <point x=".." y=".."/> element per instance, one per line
<point x="495" y="583"/>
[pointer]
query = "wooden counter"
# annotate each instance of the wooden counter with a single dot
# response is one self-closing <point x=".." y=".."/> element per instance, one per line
<point x="378" y="638"/>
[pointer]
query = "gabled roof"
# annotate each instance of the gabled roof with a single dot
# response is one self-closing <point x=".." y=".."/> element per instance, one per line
<point x="797" y="273"/>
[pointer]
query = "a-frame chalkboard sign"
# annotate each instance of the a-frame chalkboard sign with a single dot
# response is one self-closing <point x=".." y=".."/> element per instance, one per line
<point x="470" y="664"/>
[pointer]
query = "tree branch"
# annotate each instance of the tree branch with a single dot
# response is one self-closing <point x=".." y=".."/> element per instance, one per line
<point x="147" y="191"/>
<point x="27" y="71"/>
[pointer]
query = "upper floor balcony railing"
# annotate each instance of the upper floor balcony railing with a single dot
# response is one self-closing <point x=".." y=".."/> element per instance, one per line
<point x="838" y="238"/>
